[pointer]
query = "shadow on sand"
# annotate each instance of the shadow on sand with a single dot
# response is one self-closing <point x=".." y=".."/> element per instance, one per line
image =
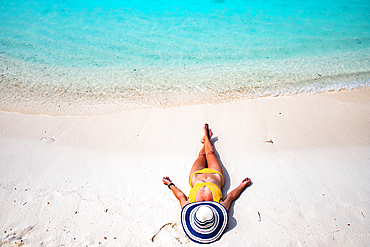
<point x="232" y="221"/>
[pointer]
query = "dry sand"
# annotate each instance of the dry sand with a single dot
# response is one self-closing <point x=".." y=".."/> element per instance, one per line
<point x="96" y="181"/>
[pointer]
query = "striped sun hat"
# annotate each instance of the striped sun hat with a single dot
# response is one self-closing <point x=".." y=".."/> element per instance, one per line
<point x="204" y="222"/>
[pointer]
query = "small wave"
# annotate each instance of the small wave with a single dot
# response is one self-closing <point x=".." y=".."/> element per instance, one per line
<point x="51" y="90"/>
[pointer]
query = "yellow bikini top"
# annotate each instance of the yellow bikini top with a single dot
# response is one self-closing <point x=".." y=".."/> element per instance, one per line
<point x="216" y="191"/>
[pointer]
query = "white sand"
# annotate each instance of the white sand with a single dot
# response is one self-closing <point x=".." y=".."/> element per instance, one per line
<point x="96" y="181"/>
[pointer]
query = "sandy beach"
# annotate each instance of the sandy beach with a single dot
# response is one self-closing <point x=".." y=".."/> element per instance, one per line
<point x="96" y="181"/>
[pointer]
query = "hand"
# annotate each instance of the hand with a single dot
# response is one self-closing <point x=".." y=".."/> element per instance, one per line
<point x="246" y="181"/>
<point x="166" y="180"/>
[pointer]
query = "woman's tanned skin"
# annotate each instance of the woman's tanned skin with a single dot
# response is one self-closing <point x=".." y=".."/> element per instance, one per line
<point x="207" y="159"/>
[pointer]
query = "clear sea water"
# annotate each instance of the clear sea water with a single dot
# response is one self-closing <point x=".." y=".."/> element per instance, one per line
<point x="82" y="56"/>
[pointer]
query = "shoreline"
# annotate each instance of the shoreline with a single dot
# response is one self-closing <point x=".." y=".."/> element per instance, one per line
<point x="36" y="89"/>
<point x="90" y="180"/>
<point x="58" y="103"/>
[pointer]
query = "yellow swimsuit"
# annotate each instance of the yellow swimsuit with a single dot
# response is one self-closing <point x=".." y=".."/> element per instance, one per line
<point x="216" y="191"/>
<point x="207" y="170"/>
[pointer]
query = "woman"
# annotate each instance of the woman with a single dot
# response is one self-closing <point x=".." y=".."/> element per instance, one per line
<point x="202" y="212"/>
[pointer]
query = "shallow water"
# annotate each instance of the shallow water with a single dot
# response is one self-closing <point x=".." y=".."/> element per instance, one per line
<point x="85" y="57"/>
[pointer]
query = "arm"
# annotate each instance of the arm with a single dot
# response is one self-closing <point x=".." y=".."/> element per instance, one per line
<point x="234" y="194"/>
<point x="176" y="191"/>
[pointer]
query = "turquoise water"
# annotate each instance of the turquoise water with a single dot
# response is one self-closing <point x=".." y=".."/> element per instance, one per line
<point x="134" y="54"/>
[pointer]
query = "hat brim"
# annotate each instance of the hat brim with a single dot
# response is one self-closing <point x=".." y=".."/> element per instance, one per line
<point x="204" y="236"/>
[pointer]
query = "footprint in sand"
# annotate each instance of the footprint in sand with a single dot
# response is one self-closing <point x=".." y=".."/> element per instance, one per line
<point x="170" y="234"/>
<point x="14" y="237"/>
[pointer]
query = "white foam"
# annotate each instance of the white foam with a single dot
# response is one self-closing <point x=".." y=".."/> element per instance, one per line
<point x="26" y="86"/>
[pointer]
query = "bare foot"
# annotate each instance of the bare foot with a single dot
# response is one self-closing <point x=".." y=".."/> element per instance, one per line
<point x="166" y="180"/>
<point x="207" y="132"/>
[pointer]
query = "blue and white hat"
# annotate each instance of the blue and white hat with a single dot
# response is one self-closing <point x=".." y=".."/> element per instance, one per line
<point x="204" y="222"/>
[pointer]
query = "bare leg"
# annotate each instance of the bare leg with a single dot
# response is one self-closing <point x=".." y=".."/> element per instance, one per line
<point x="200" y="163"/>
<point x="212" y="160"/>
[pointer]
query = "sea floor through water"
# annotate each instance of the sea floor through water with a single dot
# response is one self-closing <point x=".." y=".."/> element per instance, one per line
<point x="83" y="58"/>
